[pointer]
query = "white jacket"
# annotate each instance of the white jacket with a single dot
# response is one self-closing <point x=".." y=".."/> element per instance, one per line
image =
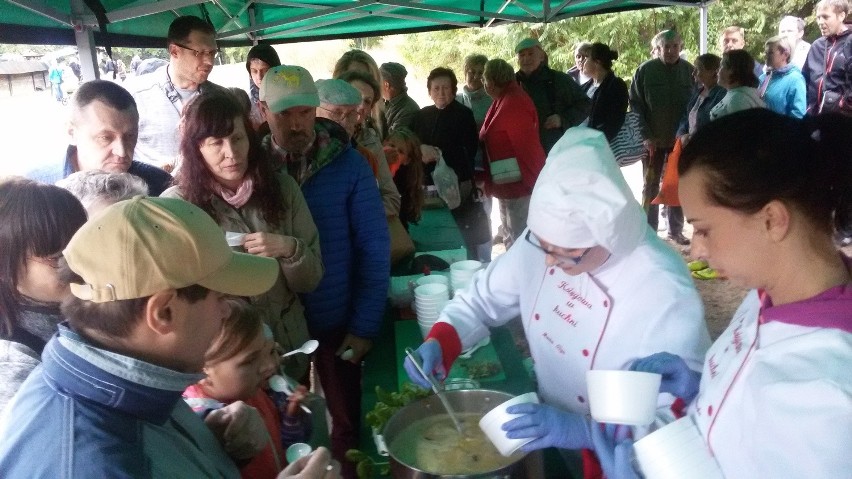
<point x="776" y="399"/>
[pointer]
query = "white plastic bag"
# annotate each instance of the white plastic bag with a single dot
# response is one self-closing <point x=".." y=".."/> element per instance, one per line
<point x="447" y="182"/>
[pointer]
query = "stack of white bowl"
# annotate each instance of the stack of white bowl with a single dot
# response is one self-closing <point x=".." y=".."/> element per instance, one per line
<point x="461" y="273"/>
<point x="429" y="300"/>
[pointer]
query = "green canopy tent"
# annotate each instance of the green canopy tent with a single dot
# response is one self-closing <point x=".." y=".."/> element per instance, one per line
<point x="144" y="23"/>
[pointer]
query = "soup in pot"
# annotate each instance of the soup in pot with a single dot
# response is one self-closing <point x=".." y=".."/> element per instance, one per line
<point x="434" y="445"/>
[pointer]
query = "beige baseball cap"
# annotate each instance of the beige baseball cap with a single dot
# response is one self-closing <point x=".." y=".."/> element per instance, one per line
<point x="140" y="246"/>
<point x="287" y="86"/>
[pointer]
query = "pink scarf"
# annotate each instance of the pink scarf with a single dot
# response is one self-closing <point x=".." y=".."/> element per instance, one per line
<point x="240" y="197"/>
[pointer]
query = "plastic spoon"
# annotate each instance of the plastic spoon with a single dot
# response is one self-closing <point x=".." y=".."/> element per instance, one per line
<point x="279" y="384"/>
<point x="310" y="346"/>
<point x="435" y="388"/>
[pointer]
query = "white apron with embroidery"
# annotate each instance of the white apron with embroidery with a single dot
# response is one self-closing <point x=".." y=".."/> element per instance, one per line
<point x="569" y="315"/>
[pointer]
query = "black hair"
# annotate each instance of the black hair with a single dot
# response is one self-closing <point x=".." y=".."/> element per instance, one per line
<point x="442" y="72"/>
<point x="111" y="94"/>
<point x="755" y="156"/>
<point x="182" y="27"/>
<point x="602" y="54"/>
<point x="112" y="318"/>
<point x="740" y="63"/>
<point x="35" y="220"/>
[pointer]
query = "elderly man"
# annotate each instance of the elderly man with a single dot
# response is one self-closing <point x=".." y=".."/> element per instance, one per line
<point x="149" y="278"/>
<point x="103" y="129"/>
<point x="559" y="100"/>
<point x="162" y="95"/>
<point x="828" y="69"/>
<point x="659" y="94"/>
<point x="733" y="38"/>
<point x="345" y="311"/>
<point x="794" y="29"/>
<point x="340" y="103"/>
<point x="581" y="54"/>
<point x="399" y="108"/>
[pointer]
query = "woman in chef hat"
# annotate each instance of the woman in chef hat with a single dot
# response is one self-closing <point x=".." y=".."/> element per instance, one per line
<point x="594" y="286"/>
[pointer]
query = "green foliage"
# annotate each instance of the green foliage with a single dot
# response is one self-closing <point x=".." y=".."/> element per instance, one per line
<point x="388" y="403"/>
<point x="629" y="33"/>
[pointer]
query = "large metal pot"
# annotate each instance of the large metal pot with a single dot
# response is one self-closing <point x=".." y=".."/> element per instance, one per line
<point x="462" y="401"/>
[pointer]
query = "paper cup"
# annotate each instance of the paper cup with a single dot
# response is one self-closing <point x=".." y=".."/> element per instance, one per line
<point x="297" y="451"/>
<point x="469" y="265"/>
<point x="234" y="238"/>
<point x="433" y="279"/>
<point x="675" y="451"/>
<point x="623" y="397"/>
<point x="492" y="424"/>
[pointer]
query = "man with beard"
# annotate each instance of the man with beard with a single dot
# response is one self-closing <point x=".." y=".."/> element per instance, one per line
<point x="345" y="311"/>
<point x="162" y="94"/>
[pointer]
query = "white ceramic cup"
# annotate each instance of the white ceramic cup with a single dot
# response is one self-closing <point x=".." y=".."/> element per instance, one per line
<point x="623" y="397"/>
<point x="234" y="238"/>
<point x="675" y="451"/>
<point x="492" y="424"/>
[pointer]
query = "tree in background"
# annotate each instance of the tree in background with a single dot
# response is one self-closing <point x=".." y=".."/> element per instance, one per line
<point x="629" y="33"/>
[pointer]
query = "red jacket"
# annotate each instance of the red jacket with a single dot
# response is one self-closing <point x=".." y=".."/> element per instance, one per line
<point x="510" y="130"/>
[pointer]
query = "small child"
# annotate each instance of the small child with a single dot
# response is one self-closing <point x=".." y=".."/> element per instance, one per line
<point x="237" y="365"/>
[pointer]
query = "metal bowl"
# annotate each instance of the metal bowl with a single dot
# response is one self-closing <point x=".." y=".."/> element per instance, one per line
<point x="478" y="401"/>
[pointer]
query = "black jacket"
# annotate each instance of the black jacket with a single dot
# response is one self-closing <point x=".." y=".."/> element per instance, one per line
<point x="454" y="131"/>
<point x="828" y="74"/>
<point x="609" y="106"/>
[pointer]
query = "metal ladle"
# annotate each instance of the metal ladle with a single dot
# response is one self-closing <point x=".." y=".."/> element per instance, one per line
<point x="436" y="388"/>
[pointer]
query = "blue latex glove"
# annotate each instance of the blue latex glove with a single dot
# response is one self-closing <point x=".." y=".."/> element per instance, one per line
<point x="614" y="448"/>
<point x="431" y="359"/>
<point x="549" y="426"/>
<point x="678" y="379"/>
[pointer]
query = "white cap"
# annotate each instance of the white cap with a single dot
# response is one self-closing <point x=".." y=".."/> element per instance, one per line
<point x="581" y="199"/>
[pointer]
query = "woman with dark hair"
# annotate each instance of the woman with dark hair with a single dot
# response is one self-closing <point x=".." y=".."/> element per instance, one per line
<point x="607" y="91"/>
<point x="225" y="173"/>
<point x="258" y="61"/>
<point x="736" y="74"/>
<point x="36" y="223"/>
<point x="764" y="192"/>
<point x="448" y="129"/>
<point x="709" y="93"/>
<point x="510" y="130"/>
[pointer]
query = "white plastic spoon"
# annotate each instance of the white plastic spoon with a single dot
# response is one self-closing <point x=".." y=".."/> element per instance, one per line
<point x="310" y="346"/>
<point x="279" y="384"/>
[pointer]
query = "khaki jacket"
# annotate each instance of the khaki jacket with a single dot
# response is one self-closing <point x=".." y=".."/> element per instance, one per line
<point x="280" y="307"/>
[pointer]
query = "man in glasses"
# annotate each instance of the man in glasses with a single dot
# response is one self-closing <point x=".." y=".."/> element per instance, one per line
<point x="162" y="94"/>
<point x="594" y="286"/>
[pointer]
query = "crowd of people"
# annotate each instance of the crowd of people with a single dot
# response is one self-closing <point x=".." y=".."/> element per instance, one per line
<point x="122" y="343"/>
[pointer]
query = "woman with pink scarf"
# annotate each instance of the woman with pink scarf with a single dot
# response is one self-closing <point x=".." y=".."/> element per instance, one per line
<point x="224" y="173"/>
<point x="510" y="131"/>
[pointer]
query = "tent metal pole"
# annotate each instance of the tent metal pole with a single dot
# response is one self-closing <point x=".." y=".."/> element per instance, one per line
<point x="85" y="38"/>
<point x="702" y="40"/>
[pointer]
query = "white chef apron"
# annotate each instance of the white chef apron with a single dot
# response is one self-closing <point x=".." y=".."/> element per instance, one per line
<point x="564" y="328"/>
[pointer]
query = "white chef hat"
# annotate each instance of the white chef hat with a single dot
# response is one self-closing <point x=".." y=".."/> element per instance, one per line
<point x="581" y="199"/>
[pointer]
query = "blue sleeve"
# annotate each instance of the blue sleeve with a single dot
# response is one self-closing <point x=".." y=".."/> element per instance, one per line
<point x="371" y="251"/>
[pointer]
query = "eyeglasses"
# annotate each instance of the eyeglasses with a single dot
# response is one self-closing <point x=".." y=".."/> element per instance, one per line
<point x="560" y="259"/>
<point x="213" y="54"/>
<point x="342" y="116"/>
<point x="52" y="261"/>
